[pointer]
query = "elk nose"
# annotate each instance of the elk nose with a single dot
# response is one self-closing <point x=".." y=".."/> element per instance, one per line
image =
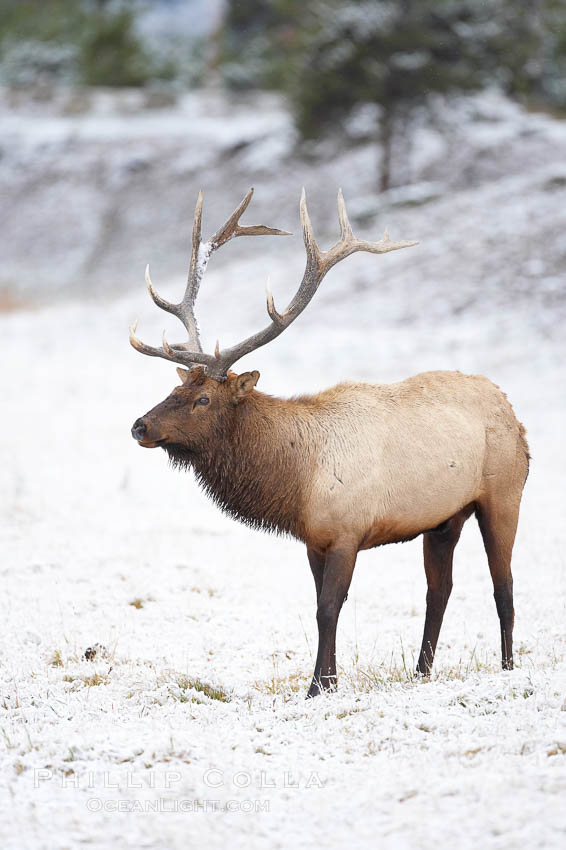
<point x="138" y="429"/>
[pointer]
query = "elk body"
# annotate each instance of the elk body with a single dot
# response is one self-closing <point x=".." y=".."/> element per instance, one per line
<point x="353" y="467"/>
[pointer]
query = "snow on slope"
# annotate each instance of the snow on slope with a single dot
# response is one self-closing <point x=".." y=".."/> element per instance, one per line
<point x="123" y="750"/>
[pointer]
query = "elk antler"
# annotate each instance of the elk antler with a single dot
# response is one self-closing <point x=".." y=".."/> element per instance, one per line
<point x="317" y="265"/>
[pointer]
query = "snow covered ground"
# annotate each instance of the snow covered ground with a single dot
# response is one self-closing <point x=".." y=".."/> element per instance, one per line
<point x="189" y="725"/>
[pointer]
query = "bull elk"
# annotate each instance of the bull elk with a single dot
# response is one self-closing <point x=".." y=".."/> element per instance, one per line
<point x="355" y="466"/>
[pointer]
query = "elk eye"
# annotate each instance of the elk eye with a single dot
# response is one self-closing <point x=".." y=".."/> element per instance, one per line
<point x="202" y="400"/>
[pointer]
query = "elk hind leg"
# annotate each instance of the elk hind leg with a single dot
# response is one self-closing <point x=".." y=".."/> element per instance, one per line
<point x="498" y="525"/>
<point x="438" y="550"/>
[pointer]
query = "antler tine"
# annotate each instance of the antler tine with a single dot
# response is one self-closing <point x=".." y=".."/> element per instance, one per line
<point x="196" y="240"/>
<point x="345" y="227"/>
<point x="157" y="299"/>
<point x="197" y="269"/>
<point x="308" y="284"/>
<point x="167" y="352"/>
<point x="228" y="229"/>
<point x="311" y="248"/>
<point x="141" y="346"/>
<point x="232" y="228"/>
<point x="275" y="317"/>
<point x="349" y="244"/>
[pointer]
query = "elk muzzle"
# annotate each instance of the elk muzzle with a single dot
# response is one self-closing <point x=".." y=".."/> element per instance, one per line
<point x="143" y="433"/>
<point x="138" y="429"/>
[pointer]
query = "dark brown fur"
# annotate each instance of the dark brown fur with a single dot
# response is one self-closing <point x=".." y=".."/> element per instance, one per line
<point x="258" y="487"/>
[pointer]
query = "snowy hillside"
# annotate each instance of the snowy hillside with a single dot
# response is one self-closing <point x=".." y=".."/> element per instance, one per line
<point x="188" y="725"/>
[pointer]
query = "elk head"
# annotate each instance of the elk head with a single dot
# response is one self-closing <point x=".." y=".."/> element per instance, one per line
<point x="210" y="394"/>
<point x="193" y="411"/>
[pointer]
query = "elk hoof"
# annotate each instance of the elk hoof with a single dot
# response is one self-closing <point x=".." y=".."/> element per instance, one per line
<point x="319" y="686"/>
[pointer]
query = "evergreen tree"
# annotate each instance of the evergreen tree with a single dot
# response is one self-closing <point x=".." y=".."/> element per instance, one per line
<point x="331" y="56"/>
<point x="262" y="42"/>
<point x="395" y="55"/>
<point x="91" y="42"/>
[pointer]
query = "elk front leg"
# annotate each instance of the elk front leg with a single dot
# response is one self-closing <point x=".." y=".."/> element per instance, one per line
<point x="317" y="561"/>
<point x="338" y="570"/>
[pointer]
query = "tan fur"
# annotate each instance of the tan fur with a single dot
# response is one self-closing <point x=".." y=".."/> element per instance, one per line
<point x="396" y="460"/>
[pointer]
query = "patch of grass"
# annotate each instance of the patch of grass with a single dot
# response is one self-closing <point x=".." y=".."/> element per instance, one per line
<point x="377" y="676"/>
<point x="7" y="740"/>
<point x="292" y="683"/>
<point x="283" y="685"/>
<point x="187" y="683"/>
<point x="56" y="659"/>
<point x="397" y="669"/>
<point x="90" y="681"/>
<point x="137" y="603"/>
<point x="347" y="713"/>
<point x="523" y="693"/>
<point x="94" y="680"/>
<point x="403" y="671"/>
<point x="408" y="795"/>
<point x="473" y="751"/>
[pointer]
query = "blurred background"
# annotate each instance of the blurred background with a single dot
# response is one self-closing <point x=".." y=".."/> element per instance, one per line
<point x="115" y="113"/>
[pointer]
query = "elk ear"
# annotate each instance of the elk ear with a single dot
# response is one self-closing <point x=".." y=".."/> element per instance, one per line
<point x="244" y="384"/>
<point x="183" y="374"/>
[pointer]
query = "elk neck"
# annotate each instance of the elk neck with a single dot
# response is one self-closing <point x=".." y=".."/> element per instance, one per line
<point x="256" y="467"/>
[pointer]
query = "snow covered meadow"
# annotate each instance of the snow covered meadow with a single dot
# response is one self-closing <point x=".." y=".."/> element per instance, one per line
<point x="186" y="724"/>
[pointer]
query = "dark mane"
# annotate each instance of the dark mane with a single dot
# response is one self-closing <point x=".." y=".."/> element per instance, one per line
<point x="248" y="477"/>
